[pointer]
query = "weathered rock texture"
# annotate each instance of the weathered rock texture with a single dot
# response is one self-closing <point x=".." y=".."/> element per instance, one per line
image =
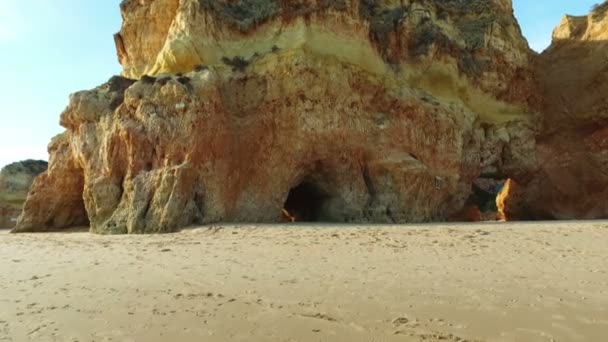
<point x="572" y="149"/>
<point x="15" y="182"/>
<point x="336" y="110"/>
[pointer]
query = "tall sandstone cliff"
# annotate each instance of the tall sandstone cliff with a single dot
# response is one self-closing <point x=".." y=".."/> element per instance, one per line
<point x="337" y="110"/>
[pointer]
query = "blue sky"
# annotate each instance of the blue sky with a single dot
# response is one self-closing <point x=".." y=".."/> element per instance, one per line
<point x="51" y="48"/>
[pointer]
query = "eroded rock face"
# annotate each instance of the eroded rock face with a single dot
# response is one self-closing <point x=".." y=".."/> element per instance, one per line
<point x="341" y="111"/>
<point x="572" y="150"/>
<point x="15" y="182"/>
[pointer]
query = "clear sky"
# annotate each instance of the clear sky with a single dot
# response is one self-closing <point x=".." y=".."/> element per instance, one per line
<point x="51" y="48"/>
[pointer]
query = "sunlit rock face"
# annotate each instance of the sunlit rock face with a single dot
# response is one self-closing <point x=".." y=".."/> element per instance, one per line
<point x="572" y="150"/>
<point x="329" y="110"/>
<point x="434" y="44"/>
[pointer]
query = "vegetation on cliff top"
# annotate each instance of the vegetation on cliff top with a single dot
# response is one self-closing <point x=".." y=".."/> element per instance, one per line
<point x="600" y="10"/>
<point x="247" y="14"/>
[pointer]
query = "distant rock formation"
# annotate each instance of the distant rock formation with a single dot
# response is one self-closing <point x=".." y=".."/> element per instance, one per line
<point x="309" y="110"/>
<point x="15" y="182"/>
<point x="572" y="150"/>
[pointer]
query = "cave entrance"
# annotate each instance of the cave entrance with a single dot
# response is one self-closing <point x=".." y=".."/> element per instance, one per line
<point x="482" y="203"/>
<point x="305" y="203"/>
<point x="486" y="191"/>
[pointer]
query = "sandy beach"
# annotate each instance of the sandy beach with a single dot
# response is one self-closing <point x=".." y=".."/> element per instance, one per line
<point x="544" y="281"/>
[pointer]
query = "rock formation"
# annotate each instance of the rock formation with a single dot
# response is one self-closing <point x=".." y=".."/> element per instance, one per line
<point x="572" y="150"/>
<point x="317" y="110"/>
<point x="15" y="182"/>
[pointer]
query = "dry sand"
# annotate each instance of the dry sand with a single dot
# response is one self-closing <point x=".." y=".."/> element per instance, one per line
<point x="488" y="282"/>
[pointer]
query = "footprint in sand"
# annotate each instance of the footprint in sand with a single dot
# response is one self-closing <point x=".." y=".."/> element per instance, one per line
<point x="400" y="321"/>
<point x="319" y="316"/>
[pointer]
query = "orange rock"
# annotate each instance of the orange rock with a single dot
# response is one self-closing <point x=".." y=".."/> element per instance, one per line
<point x="286" y="216"/>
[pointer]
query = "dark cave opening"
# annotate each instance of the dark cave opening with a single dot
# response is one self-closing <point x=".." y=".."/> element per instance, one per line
<point x="486" y="191"/>
<point x="305" y="203"/>
<point x="482" y="203"/>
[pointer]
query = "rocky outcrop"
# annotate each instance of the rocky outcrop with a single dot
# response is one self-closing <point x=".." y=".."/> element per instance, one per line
<point x="55" y="200"/>
<point x="15" y="182"/>
<point x="331" y="110"/>
<point x="572" y="150"/>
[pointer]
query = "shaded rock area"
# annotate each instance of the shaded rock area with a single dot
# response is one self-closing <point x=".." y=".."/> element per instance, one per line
<point x="572" y="151"/>
<point x="311" y="110"/>
<point x="15" y="182"/>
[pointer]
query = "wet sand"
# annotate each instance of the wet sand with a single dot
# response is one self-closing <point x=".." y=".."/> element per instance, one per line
<point x="545" y="281"/>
